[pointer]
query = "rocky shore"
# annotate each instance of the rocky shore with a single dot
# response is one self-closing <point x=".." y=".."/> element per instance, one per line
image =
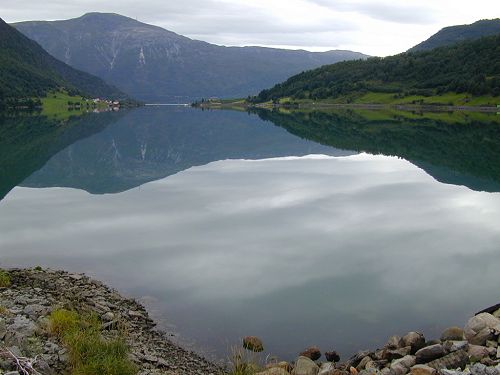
<point x="472" y="350"/>
<point x="25" y="307"/>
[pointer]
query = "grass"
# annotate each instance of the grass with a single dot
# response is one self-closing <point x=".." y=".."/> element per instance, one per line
<point x="4" y="279"/>
<point x="55" y="105"/>
<point x="243" y="362"/>
<point x="89" y="352"/>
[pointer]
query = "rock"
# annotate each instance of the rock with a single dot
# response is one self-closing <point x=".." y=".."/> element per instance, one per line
<point x="479" y="328"/>
<point x="392" y="354"/>
<point x="253" y="344"/>
<point x="3" y="329"/>
<point x="453" y="346"/>
<point x="361" y="365"/>
<point x="452" y="334"/>
<point x="355" y="359"/>
<point x="422" y="370"/>
<point x="394" y="342"/>
<point x="450" y="361"/>
<point x="491" y="344"/>
<point x="370" y="371"/>
<point x="34" y="311"/>
<point x="108" y="317"/>
<point x="478" y="352"/>
<point x="332" y="356"/>
<point x="312" y="352"/>
<point x="327" y="368"/>
<point x="496" y="314"/>
<point x="415" y="340"/>
<point x="274" y="371"/>
<point x="353" y="371"/>
<point x="407" y="361"/>
<point x="305" y="366"/>
<point x="430" y="353"/>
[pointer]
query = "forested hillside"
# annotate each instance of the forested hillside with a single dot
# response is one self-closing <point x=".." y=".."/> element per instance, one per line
<point x="471" y="67"/>
<point x="27" y="71"/>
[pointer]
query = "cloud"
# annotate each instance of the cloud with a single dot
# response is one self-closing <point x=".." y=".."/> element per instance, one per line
<point x="376" y="27"/>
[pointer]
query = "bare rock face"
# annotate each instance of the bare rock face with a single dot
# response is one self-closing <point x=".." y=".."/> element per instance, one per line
<point x="478" y="352"/>
<point x="253" y="344"/>
<point x="480" y="328"/>
<point x="312" y="352"/>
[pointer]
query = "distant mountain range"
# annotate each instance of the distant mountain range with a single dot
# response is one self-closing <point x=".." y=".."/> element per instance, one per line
<point x="27" y="70"/>
<point x="156" y="65"/>
<point x="454" y="34"/>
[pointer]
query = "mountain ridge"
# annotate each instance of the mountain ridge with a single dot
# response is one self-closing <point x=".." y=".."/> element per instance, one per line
<point x="157" y="65"/>
<point x="459" y="33"/>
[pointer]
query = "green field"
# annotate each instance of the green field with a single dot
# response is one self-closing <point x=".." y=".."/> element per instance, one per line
<point x="56" y="105"/>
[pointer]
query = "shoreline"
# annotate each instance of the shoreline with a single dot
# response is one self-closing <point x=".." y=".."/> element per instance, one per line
<point x="33" y="295"/>
<point x="373" y="106"/>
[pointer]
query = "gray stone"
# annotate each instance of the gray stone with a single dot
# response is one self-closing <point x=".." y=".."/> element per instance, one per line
<point x="370" y="371"/>
<point x="392" y="354"/>
<point x="362" y="363"/>
<point x="305" y="366"/>
<point x="480" y="328"/>
<point x="452" y="334"/>
<point x="34" y="311"/>
<point x="450" y="361"/>
<point x="430" y="353"/>
<point x="453" y="346"/>
<point x="394" y="342"/>
<point x="108" y="317"/>
<point x="275" y="371"/>
<point x="3" y="328"/>
<point x="478" y="352"/>
<point x="327" y="368"/>
<point x="415" y="340"/>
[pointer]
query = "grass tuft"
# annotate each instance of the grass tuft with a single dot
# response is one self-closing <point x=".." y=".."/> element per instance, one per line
<point x="243" y="362"/>
<point x="4" y="279"/>
<point x="89" y="352"/>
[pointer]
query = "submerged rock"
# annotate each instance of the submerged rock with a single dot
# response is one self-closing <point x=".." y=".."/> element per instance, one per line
<point x="332" y="356"/>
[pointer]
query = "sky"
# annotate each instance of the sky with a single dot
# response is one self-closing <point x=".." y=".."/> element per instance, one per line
<point x="375" y="27"/>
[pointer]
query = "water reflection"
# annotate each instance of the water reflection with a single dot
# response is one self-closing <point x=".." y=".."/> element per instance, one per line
<point x="333" y="251"/>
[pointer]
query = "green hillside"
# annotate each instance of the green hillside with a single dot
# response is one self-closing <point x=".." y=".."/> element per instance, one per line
<point x="27" y="71"/>
<point x="471" y="67"/>
<point x="455" y="34"/>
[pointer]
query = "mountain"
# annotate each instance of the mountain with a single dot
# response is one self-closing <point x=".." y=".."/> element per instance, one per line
<point x="455" y="34"/>
<point x="27" y="70"/>
<point x="471" y="67"/>
<point x="156" y="65"/>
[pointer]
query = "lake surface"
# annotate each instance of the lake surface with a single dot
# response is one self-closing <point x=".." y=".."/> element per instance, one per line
<point x="229" y="224"/>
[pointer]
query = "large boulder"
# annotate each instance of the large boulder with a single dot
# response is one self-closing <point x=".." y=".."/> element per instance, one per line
<point x="327" y="368"/>
<point x="253" y="344"/>
<point x="430" y="353"/>
<point x="452" y="334"/>
<point x="305" y="366"/>
<point x="480" y="328"/>
<point x="394" y="342"/>
<point x="312" y="352"/>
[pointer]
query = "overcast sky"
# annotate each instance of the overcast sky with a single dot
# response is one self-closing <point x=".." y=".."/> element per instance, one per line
<point x="375" y="27"/>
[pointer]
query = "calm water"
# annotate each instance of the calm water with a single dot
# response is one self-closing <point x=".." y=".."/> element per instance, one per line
<point x="228" y="224"/>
